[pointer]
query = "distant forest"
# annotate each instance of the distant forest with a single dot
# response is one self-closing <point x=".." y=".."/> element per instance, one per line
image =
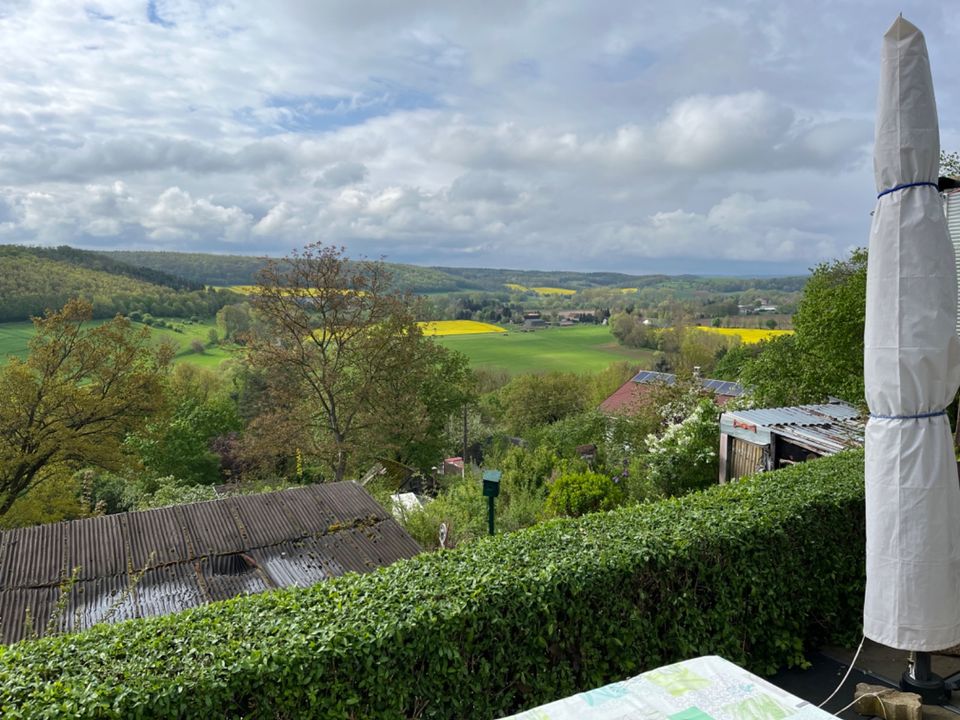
<point x="169" y="284"/>
<point x="226" y="270"/>
<point x="33" y="280"/>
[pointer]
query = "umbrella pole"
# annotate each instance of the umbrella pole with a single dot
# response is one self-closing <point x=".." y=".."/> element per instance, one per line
<point x="920" y="679"/>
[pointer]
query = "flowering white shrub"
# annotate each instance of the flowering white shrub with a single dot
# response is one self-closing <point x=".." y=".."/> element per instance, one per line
<point x="684" y="457"/>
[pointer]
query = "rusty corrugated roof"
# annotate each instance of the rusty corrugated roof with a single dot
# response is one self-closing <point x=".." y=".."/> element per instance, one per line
<point x="189" y="555"/>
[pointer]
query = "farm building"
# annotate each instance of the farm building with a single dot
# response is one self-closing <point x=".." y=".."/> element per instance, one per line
<point x="758" y="440"/>
<point x="155" y="562"/>
<point x="629" y="396"/>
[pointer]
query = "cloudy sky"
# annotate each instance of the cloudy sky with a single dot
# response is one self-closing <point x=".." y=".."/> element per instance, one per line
<point x="637" y="136"/>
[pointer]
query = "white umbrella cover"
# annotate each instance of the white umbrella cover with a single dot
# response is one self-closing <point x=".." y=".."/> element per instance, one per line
<point x="911" y="369"/>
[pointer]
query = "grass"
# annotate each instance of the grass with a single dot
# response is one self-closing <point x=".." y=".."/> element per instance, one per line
<point x="15" y="336"/>
<point x="581" y="348"/>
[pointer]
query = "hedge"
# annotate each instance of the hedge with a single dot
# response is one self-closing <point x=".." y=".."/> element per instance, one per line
<point x="754" y="571"/>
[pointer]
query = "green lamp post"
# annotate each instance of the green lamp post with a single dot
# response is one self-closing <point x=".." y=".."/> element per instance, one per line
<point x="491" y="488"/>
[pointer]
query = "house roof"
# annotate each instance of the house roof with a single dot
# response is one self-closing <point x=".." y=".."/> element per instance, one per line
<point x="189" y="555"/>
<point x="629" y="396"/>
<point x="825" y="428"/>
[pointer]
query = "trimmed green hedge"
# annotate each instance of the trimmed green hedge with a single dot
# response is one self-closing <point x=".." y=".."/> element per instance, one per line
<point x="751" y="571"/>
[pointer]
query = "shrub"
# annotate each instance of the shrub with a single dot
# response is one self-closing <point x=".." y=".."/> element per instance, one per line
<point x="684" y="457"/>
<point x="170" y="491"/>
<point x="752" y="571"/>
<point x="580" y="493"/>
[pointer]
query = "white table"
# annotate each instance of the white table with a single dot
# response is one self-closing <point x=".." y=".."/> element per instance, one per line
<point x="705" y="688"/>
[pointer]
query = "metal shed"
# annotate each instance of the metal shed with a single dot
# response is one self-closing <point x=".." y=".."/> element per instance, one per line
<point x="766" y="439"/>
<point x="155" y="562"/>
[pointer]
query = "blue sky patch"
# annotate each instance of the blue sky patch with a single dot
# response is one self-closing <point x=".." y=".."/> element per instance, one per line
<point x="317" y="114"/>
<point x="154" y="17"/>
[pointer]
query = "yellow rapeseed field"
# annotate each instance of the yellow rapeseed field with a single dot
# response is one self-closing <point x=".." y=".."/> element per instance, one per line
<point x="458" y="327"/>
<point x="540" y="290"/>
<point x="747" y="335"/>
<point x="553" y="291"/>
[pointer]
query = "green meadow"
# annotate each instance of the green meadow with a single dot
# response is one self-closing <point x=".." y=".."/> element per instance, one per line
<point x="15" y="336"/>
<point x="581" y="348"/>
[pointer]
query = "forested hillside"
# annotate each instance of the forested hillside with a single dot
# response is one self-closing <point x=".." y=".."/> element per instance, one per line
<point x="200" y="268"/>
<point x="33" y="280"/>
<point x="225" y="270"/>
<point x="173" y="285"/>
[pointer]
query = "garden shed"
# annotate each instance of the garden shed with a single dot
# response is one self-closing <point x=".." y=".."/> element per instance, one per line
<point x="764" y="439"/>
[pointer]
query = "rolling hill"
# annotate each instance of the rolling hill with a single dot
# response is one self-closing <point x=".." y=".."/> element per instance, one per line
<point x="35" y="279"/>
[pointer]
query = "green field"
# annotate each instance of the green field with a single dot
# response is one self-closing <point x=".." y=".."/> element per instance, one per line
<point x="581" y="348"/>
<point x="15" y="336"/>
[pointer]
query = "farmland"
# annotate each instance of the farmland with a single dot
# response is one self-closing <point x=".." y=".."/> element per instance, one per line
<point x="15" y="336"/>
<point x="547" y="291"/>
<point x="582" y="348"/>
<point x="443" y="328"/>
<point x="746" y="335"/>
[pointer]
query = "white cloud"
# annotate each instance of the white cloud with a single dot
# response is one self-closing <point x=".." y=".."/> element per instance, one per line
<point x="506" y="133"/>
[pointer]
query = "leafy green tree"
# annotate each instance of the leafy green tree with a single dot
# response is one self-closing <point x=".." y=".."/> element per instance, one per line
<point x="529" y="401"/>
<point x="57" y="497"/>
<point x="730" y="361"/>
<point x="342" y="351"/>
<point x="79" y="392"/>
<point x="234" y="320"/>
<point x="825" y="356"/>
<point x="179" y="445"/>
<point x="416" y="405"/>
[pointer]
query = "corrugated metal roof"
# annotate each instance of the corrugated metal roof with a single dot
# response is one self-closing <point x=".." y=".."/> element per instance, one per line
<point x="96" y="547"/>
<point x="14" y="606"/>
<point x="153" y="537"/>
<point x="796" y="415"/>
<point x="33" y="556"/>
<point x="93" y="601"/>
<point x="197" y="553"/>
<point x="826" y="428"/>
<point x="212" y="529"/>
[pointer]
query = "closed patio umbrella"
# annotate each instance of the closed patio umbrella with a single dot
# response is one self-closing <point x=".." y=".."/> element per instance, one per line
<point x="911" y="369"/>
